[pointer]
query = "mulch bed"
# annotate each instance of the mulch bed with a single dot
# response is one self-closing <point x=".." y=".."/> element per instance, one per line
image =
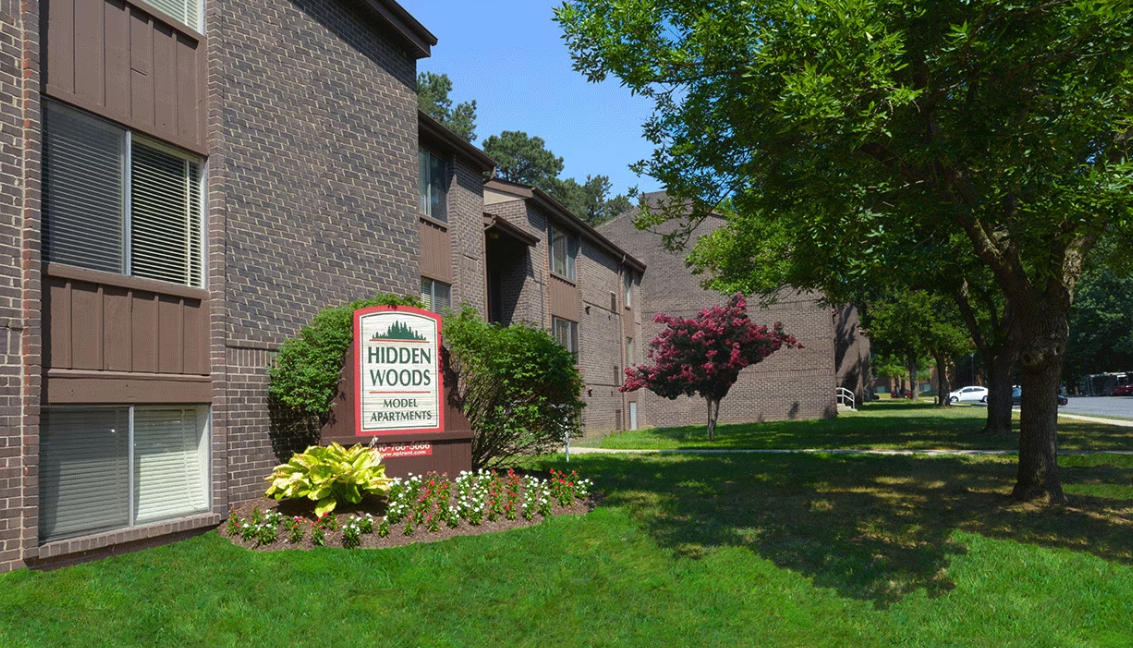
<point x="377" y="507"/>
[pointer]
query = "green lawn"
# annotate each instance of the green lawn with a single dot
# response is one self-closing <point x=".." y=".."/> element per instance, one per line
<point x="879" y="425"/>
<point x="686" y="550"/>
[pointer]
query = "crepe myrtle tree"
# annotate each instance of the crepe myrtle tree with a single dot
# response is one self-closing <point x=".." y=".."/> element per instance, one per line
<point x="1005" y="121"/>
<point x="704" y="355"/>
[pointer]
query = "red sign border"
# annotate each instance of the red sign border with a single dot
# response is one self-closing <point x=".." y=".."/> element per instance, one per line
<point x="358" y="314"/>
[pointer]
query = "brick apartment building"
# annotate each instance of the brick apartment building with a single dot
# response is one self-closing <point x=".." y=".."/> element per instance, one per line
<point x="184" y="189"/>
<point x="790" y="384"/>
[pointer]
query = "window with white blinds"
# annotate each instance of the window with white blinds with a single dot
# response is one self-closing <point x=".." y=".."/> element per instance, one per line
<point x="84" y="471"/>
<point x="437" y="295"/>
<point x="109" y="468"/>
<point x="187" y="11"/>
<point x="564" y="250"/>
<point x="118" y="202"/>
<point x="432" y="185"/>
<point x="170" y="463"/>
<point x="84" y="162"/>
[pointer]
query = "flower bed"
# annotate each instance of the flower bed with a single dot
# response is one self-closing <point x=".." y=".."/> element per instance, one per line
<point x="419" y="508"/>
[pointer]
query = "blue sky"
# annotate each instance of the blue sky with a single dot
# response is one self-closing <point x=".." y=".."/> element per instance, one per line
<point x="509" y="56"/>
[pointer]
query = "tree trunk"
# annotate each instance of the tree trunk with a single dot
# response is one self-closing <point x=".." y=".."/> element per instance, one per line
<point x="941" y="380"/>
<point x="999" y="403"/>
<point x="713" y="414"/>
<point x="1044" y="332"/>
<point x="913" y="379"/>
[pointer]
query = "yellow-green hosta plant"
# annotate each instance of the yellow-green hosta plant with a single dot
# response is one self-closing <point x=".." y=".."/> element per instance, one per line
<point x="329" y="475"/>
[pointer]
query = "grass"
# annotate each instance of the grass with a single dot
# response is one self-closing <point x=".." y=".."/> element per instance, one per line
<point x="686" y="550"/>
<point x="880" y="425"/>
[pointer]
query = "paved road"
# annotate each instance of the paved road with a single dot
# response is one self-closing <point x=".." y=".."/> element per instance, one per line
<point x="1120" y="406"/>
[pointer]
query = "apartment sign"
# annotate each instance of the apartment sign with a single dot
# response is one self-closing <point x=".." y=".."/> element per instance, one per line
<point x="397" y="371"/>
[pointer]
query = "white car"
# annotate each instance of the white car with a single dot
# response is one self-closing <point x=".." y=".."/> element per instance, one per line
<point x="968" y="395"/>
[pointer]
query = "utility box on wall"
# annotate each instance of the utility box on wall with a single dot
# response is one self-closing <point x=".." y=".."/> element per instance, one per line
<point x="397" y="392"/>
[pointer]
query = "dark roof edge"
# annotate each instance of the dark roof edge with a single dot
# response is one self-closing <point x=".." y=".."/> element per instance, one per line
<point x="555" y="207"/>
<point x="494" y="221"/>
<point x="436" y="131"/>
<point x="416" y="39"/>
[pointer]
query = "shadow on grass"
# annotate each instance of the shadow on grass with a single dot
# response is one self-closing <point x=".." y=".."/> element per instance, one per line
<point x="872" y="528"/>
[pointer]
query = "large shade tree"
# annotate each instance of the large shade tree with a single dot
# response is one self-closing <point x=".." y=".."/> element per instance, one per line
<point x="1005" y="122"/>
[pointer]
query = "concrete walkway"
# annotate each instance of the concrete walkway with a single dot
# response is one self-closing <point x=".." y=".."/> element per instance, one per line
<point x="1094" y="419"/>
<point x="844" y="451"/>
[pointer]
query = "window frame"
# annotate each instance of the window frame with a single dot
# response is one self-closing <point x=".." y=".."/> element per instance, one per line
<point x="204" y="412"/>
<point x="572" y="335"/>
<point x="424" y="200"/>
<point x="570" y="251"/>
<point x="126" y="198"/>
<point x="431" y="306"/>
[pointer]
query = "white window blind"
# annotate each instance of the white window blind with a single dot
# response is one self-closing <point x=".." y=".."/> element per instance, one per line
<point x="83" y="162"/>
<point x="165" y="215"/>
<point x="120" y="203"/>
<point x="187" y="11"/>
<point x="564" y="250"/>
<point x="110" y="468"/>
<point x="566" y="333"/>
<point x="170" y="463"/>
<point x="83" y="471"/>
<point x="629" y="289"/>
<point x="436" y="295"/>
<point x="432" y="186"/>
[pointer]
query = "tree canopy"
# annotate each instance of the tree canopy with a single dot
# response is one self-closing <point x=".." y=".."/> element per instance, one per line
<point x="433" y="100"/>
<point x="1002" y="125"/>
<point x="527" y="160"/>
<point x="705" y="355"/>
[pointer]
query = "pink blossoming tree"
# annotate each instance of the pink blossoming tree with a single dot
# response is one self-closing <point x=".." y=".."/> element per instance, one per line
<point x="705" y="355"/>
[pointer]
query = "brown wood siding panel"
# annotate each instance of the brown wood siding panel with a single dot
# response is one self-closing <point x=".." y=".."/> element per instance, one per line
<point x="59" y="72"/>
<point x="74" y="387"/>
<point x="627" y="323"/>
<point x="436" y="259"/>
<point x="121" y="62"/>
<point x="116" y="332"/>
<point x="141" y="68"/>
<point x="117" y="87"/>
<point x="565" y="299"/>
<point x="171" y="335"/>
<point x="188" y="101"/>
<point x="90" y="32"/>
<point x="196" y="337"/>
<point x="120" y="327"/>
<point x="165" y="80"/>
<point x="58" y="309"/>
<point x="86" y="326"/>
<point x="144" y="337"/>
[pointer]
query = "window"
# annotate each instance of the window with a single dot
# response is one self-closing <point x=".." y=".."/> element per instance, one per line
<point x="187" y="11"/>
<point x="436" y="295"/>
<point x="104" y="468"/>
<point x="631" y="353"/>
<point x="629" y="289"/>
<point x="118" y="202"/>
<point x="566" y="333"/>
<point x="564" y="250"/>
<point x="432" y="186"/>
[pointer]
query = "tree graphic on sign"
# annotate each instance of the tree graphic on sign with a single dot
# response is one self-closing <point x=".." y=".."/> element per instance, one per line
<point x="399" y="331"/>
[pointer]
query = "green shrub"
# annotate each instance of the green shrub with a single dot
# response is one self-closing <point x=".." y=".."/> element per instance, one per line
<point x="305" y="377"/>
<point x="519" y="387"/>
<point x="329" y="475"/>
